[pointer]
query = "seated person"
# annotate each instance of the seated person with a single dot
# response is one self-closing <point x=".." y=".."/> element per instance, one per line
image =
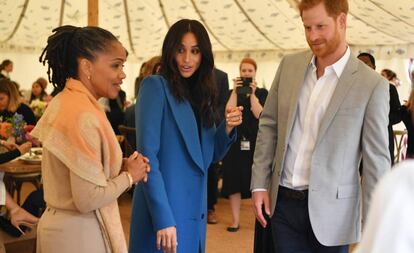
<point x="38" y="91"/>
<point x="10" y="103"/>
<point x="18" y="216"/>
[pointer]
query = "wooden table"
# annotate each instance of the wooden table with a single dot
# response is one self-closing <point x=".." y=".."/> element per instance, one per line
<point x="17" y="172"/>
<point x="18" y="167"/>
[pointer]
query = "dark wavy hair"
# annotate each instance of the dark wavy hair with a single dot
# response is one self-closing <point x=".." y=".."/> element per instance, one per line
<point x="66" y="45"/>
<point x="205" y="85"/>
<point x="43" y="93"/>
<point x="389" y="74"/>
<point x="5" y="63"/>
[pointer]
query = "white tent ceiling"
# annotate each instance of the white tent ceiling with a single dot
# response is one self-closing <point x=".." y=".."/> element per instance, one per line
<point x="235" y="26"/>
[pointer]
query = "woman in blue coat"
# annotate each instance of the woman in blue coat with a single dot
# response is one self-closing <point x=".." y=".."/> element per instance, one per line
<point x="176" y="131"/>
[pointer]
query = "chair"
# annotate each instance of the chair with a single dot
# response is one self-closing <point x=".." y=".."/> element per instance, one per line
<point x="129" y="139"/>
<point x="14" y="182"/>
<point x="29" y="239"/>
<point x="120" y="139"/>
<point x="399" y="136"/>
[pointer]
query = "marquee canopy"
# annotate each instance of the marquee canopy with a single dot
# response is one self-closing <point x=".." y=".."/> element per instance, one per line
<point x="263" y="27"/>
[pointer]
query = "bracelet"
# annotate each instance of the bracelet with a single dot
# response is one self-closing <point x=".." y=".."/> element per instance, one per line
<point x="131" y="180"/>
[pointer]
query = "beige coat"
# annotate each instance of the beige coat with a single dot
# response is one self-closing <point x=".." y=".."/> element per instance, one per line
<point x="80" y="167"/>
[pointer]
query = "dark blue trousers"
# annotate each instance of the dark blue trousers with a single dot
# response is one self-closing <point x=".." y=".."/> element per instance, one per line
<point x="292" y="231"/>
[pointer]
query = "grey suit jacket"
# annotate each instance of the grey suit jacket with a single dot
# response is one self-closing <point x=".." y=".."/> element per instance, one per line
<point x="354" y="126"/>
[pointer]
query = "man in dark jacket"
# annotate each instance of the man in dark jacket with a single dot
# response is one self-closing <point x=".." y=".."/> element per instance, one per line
<point x="395" y="105"/>
<point x="222" y="82"/>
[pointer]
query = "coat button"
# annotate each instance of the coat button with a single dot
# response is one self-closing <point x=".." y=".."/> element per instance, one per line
<point x="202" y="216"/>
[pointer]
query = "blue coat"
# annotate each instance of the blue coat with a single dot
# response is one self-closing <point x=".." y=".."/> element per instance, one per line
<point x="175" y="194"/>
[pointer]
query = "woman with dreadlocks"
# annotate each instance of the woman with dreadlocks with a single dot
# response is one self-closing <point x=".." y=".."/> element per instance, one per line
<point x="81" y="156"/>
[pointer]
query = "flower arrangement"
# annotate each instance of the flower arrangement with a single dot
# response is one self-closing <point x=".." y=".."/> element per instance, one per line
<point x="38" y="107"/>
<point x="6" y="129"/>
<point x="13" y="127"/>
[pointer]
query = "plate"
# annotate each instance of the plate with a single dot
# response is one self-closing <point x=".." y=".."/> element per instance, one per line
<point x="31" y="159"/>
<point x="36" y="151"/>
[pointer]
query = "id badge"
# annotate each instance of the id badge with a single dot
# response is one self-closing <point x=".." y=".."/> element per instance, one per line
<point x="245" y="145"/>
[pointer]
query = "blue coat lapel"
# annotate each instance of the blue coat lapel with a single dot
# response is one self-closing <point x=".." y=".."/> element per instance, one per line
<point x="187" y="124"/>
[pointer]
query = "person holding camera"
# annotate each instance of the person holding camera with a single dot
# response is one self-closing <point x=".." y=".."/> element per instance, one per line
<point x="237" y="163"/>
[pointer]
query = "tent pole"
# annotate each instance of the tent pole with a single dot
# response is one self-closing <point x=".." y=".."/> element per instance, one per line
<point x="93" y="13"/>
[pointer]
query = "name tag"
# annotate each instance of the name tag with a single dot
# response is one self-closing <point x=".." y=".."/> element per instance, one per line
<point x="245" y="145"/>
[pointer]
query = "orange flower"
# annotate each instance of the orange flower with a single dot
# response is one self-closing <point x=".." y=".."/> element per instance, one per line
<point x="6" y="129"/>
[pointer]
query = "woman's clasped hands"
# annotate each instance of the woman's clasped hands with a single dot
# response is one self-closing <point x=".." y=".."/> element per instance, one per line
<point x="137" y="166"/>
<point x="233" y="117"/>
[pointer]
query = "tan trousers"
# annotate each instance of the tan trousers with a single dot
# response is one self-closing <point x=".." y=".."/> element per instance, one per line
<point x="67" y="232"/>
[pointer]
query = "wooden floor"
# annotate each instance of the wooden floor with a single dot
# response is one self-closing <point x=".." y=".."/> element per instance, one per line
<point x="218" y="239"/>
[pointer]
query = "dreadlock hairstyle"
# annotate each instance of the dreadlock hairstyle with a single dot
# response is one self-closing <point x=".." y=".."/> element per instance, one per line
<point x="205" y="85"/>
<point x="66" y="45"/>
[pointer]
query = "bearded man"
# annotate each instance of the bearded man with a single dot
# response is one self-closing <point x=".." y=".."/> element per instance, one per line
<point x="325" y="111"/>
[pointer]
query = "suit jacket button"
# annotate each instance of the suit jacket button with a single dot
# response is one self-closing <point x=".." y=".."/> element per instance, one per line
<point x="202" y="216"/>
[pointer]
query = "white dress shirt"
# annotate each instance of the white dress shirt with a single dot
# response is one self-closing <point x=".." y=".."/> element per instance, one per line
<point x="313" y="101"/>
<point x="5" y="73"/>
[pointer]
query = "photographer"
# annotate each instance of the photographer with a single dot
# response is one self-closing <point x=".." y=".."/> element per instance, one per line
<point x="238" y="162"/>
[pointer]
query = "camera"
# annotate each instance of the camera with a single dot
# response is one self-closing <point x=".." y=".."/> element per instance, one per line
<point x="245" y="88"/>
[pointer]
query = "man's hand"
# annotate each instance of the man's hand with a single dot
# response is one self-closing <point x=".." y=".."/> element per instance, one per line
<point x="259" y="199"/>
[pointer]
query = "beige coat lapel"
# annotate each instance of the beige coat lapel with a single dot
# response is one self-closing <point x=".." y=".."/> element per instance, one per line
<point x="344" y="84"/>
<point x="296" y="83"/>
